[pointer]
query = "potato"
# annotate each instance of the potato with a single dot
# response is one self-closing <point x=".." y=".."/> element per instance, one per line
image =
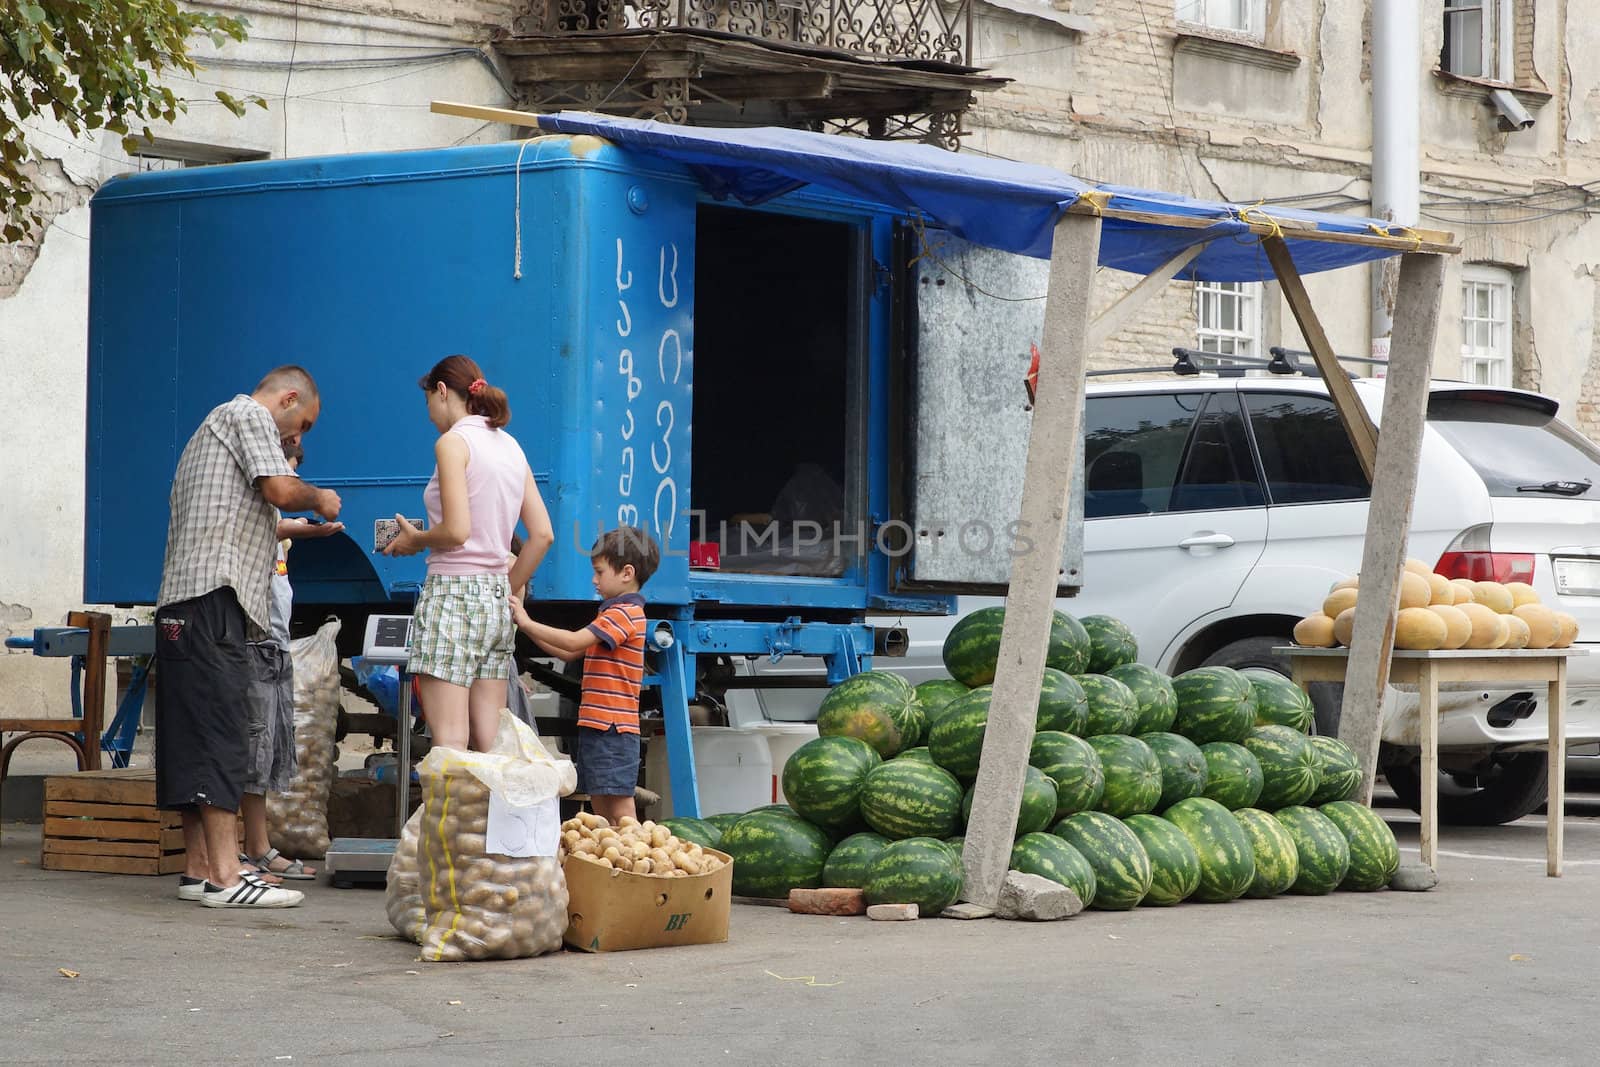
<point x="591" y="820"/>
<point x="627" y="820"/>
<point x="659" y="836"/>
<point x="643" y="866"/>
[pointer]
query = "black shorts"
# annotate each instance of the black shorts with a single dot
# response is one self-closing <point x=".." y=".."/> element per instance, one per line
<point x="204" y="675"/>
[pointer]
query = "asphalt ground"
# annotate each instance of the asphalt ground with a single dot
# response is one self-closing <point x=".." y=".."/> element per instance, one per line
<point x="1496" y="965"/>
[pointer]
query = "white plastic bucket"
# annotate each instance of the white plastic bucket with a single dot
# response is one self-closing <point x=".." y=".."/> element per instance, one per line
<point x="734" y="768"/>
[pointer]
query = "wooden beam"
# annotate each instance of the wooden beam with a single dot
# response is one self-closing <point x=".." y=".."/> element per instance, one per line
<point x="98" y="623"/>
<point x="1053" y="444"/>
<point x="1113" y="318"/>
<point x="1363" y="435"/>
<point x="1431" y="241"/>
<point x="1394" y="487"/>
<point x="485" y="114"/>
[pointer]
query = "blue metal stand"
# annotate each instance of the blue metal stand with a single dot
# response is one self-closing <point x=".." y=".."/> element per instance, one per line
<point x="125" y="642"/>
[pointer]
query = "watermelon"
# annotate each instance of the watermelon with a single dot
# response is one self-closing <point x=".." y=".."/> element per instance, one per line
<point x="1277" y="860"/>
<point x="1227" y="860"/>
<point x="1174" y="865"/>
<point x="957" y="842"/>
<point x="822" y="780"/>
<point x="1132" y="773"/>
<point x="921" y="755"/>
<point x="1111" y="643"/>
<point x="1324" y="853"/>
<point x="851" y="860"/>
<point x="956" y="741"/>
<point x="908" y="798"/>
<point x="1374" y="853"/>
<point x="1069" y="645"/>
<point x="935" y="694"/>
<point x="781" y="809"/>
<point x="912" y="722"/>
<point x="1121" y="868"/>
<point x="1341" y="773"/>
<point x="722" y="821"/>
<point x="869" y="705"/>
<point x="699" y="831"/>
<point x="1048" y="856"/>
<point x="916" y="870"/>
<point x="1112" y="707"/>
<point x="1279" y="702"/>
<point x="1063" y="705"/>
<point x="774" y="853"/>
<point x="1214" y="704"/>
<point x="1038" y="808"/>
<point x="1233" y="775"/>
<point x="972" y="647"/>
<point x="1290" y="769"/>
<point x="1152" y="692"/>
<point x="1183" y="767"/>
<point x="1073" y="765"/>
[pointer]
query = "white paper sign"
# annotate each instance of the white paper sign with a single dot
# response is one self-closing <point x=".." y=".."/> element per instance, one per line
<point x="530" y="830"/>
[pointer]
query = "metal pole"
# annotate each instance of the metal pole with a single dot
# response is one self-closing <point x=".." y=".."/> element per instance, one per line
<point x="1396" y="155"/>
<point x="402" y="766"/>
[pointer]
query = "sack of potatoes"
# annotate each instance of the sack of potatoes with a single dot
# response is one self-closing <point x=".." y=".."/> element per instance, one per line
<point x="636" y="847"/>
<point x="1450" y="613"/>
<point x="477" y="905"/>
<point x="297" y="819"/>
<point x="402" y="894"/>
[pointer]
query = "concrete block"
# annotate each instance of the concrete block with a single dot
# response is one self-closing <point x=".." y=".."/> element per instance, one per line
<point x="827" y="902"/>
<point x="1414" y="878"/>
<point x="1036" y="899"/>
<point x="966" y="911"/>
<point x="892" y="912"/>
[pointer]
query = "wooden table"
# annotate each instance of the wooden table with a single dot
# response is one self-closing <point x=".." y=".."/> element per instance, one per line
<point x="1426" y="670"/>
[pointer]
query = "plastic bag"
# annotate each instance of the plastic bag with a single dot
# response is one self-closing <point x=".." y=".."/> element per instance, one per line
<point x="403" y="891"/>
<point x="297" y="819"/>
<point x="477" y="905"/>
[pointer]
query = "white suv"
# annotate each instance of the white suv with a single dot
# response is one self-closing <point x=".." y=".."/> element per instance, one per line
<point x="1218" y="511"/>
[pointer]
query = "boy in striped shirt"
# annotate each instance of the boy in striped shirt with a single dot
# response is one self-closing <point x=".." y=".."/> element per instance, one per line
<point x="612" y="649"/>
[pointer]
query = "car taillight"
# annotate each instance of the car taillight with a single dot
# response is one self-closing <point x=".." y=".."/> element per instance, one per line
<point x="1487" y="566"/>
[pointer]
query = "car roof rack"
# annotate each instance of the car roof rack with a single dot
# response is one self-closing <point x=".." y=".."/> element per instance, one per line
<point x="1189" y="362"/>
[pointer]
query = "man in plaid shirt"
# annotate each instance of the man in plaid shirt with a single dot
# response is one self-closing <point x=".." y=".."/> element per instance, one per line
<point x="231" y="481"/>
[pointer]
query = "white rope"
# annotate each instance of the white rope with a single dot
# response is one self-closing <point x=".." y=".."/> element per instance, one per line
<point x="516" y="263"/>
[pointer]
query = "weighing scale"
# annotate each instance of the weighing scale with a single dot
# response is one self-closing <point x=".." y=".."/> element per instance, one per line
<point x="365" y="860"/>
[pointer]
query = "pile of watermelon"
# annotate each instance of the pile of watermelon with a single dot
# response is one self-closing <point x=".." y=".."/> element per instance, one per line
<point x="1141" y="789"/>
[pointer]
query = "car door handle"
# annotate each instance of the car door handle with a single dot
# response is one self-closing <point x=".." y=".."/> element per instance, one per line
<point x="1215" y="540"/>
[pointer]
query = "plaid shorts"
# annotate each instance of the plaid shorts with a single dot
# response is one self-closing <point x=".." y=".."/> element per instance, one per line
<point x="463" y="630"/>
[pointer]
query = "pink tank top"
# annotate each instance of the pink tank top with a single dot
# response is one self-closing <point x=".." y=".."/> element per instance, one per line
<point x="497" y="473"/>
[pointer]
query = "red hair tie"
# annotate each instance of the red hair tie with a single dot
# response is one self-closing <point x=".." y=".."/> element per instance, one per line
<point x="477" y="386"/>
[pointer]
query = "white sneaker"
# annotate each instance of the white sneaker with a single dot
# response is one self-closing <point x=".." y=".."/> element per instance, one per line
<point x="190" y="888"/>
<point x="251" y="892"/>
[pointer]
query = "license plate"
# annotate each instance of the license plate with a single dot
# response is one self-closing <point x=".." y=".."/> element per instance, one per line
<point x="1577" y="577"/>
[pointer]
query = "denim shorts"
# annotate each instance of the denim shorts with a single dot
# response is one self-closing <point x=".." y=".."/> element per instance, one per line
<point x="608" y="762"/>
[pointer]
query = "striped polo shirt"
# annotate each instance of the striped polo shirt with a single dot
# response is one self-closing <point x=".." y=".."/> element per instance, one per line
<point x="613" y="668"/>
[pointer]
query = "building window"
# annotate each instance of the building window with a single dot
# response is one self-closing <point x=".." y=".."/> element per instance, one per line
<point x="1480" y="39"/>
<point x="1229" y="314"/>
<point x="161" y="153"/>
<point x="1235" y="16"/>
<point x="1486" y="326"/>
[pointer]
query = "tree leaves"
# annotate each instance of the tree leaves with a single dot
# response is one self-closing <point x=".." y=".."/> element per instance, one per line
<point x="91" y="64"/>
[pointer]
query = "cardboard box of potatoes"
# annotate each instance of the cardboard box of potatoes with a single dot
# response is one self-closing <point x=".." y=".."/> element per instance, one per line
<point x="1439" y="612"/>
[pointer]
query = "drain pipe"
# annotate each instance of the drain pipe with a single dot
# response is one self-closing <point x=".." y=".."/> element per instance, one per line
<point x="1396" y="156"/>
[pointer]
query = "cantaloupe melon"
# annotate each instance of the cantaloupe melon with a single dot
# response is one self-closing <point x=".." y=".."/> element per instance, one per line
<point x="1458" y="628"/>
<point x="1344" y="626"/>
<point x="1351" y="582"/>
<point x="1489" y="629"/>
<point x="1338" y="601"/>
<point x="1495" y="595"/>
<point x="1417" y="567"/>
<point x="1415" y="592"/>
<point x="1521" y="593"/>
<point x="1520" y="635"/>
<point x="1466" y="590"/>
<point x="1544" y="629"/>
<point x="1314" y="631"/>
<point x="1569" y="630"/>
<point x="1419" y="628"/>
<point x="1443" y="592"/>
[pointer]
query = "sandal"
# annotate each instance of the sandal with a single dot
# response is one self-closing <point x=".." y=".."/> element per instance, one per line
<point x="296" y="869"/>
<point x="251" y="867"/>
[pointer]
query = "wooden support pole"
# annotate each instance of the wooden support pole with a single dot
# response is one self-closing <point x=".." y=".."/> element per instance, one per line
<point x="1394" y="487"/>
<point x="1113" y="318"/>
<point x="98" y="623"/>
<point x="1035" y="576"/>
<point x="1363" y="435"/>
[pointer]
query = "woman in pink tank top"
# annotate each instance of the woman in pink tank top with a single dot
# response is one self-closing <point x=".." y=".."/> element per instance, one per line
<point x="462" y="635"/>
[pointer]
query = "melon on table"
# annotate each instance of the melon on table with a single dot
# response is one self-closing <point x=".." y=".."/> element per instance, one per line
<point x="1489" y="629"/>
<point x="1520" y="632"/>
<point x="1415" y="592"/>
<point x="1443" y="591"/>
<point x="1466" y="590"/>
<point x="1337" y="601"/>
<point x="1522" y="593"/>
<point x="1420" y="629"/>
<point x="1458" y="628"/>
<point x="1344" y="626"/>
<point x="1569" y="630"/>
<point x="1416" y="566"/>
<point x="1314" y="631"/>
<point x="1495" y="596"/>
<point x="1544" y="629"/>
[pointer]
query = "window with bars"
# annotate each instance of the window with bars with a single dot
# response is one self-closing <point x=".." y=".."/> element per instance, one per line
<point x="1235" y="16"/>
<point x="1229" y="317"/>
<point x="1480" y="39"/>
<point x="1486" y="325"/>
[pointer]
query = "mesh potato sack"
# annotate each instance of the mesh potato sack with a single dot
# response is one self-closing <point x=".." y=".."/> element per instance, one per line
<point x="402" y="897"/>
<point x="297" y="819"/>
<point x="479" y="905"/>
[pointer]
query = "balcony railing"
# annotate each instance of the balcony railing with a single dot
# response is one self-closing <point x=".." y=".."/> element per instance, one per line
<point x="879" y="29"/>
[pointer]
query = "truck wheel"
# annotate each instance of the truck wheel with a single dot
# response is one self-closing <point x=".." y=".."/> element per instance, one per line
<point x="1515" y="786"/>
<point x="1257" y="652"/>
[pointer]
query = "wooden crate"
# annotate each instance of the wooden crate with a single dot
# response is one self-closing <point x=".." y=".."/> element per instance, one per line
<point x="107" y="821"/>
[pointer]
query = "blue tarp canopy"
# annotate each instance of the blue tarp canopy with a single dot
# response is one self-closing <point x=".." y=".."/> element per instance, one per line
<point x="993" y="202"/>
